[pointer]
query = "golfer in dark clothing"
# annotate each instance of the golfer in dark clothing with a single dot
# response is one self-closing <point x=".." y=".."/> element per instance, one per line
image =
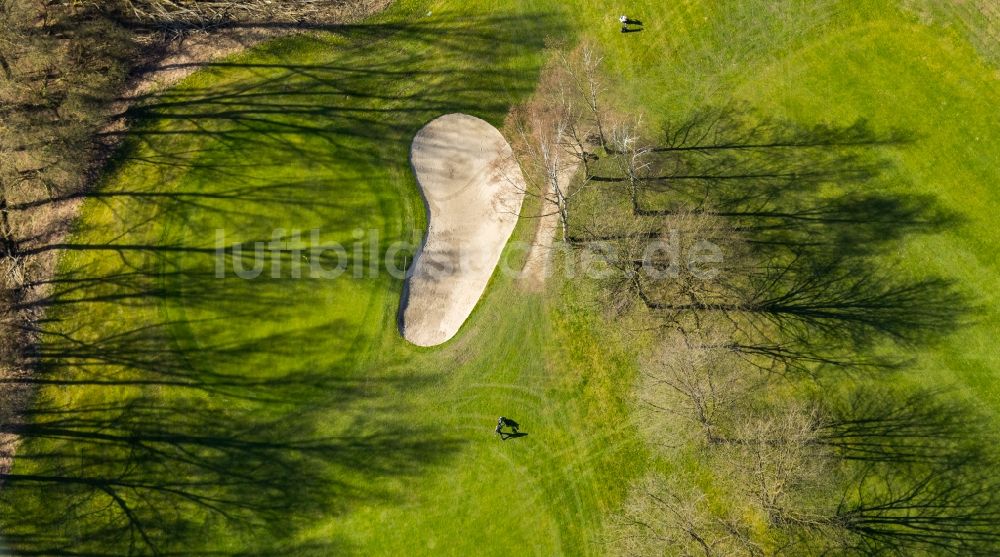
<point x="505" y="422"/>
<point x="626" y="21"/>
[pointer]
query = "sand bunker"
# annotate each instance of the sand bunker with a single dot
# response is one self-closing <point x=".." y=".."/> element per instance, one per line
<point x="473" y="190"/>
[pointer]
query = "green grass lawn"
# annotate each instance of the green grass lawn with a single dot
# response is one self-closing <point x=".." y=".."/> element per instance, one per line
<point x="287" y="416"/>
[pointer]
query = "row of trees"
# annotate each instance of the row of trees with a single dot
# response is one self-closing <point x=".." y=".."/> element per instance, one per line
<point x="860" y="468"/>
<point x="54" y="88"/>
<point x="201" y="13"/>
<point x="750" y="245"/>
<point x="566" y="126"/>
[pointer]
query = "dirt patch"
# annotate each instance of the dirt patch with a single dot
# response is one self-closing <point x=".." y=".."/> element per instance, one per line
<point x="537" y="266"/>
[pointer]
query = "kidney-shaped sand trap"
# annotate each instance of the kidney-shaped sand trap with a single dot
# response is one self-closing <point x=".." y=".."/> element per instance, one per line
<point x="473" y="191"/>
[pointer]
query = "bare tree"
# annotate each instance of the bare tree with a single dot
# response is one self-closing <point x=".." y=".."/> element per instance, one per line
<point x="692" y="377"/>
<point x="630" y="156"/>
<point x="567" y="125"/>
<point x="9" y="34"/>
<point x="786" y="296"/>
<point x="667" y="517"/>
<point x="776" y="459"/>
<point x="585" y="63"/>
<point x="547" y="131"/>
<point x="695" y="260"/>
<point x="202" y="13"/>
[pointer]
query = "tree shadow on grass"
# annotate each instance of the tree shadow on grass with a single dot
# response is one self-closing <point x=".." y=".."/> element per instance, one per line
<point x="775" y="175"/>
<point x="345" y="117"/>
<point x="804" y="290"/>
<point x="179" y="413"/>
<point x="922" y="473"/>
<point x="381" y="83"/>
<point x="785" y="185"/>
<point x="168" y="456"/>
<point x="157" y="437"/>
<point x="808" y="212"/>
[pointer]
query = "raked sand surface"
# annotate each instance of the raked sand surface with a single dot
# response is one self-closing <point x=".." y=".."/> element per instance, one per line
<point x="473" y="190"/>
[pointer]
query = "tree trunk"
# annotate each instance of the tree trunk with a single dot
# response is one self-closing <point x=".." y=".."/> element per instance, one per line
<point x="8" y="248"/>
<point x="7" y="73"/>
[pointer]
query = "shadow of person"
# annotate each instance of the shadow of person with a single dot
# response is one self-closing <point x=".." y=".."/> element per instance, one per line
<point x="631" y="30"/>
<point x="633" y="22"/>
<point x="505" y="436"/>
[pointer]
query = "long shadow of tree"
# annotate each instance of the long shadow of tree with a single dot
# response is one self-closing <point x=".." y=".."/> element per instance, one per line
<point x="922" y="473"/>
<point x="780" y="183"/>
<point x="386" y="80"/>
<point x="159" y="428"/>
<point x="787" y="184"/>
<point x="807" y="212"/>
<point x="157" y="471"/>
<point x="184" y="444"/>
<point x="802" y="216"/>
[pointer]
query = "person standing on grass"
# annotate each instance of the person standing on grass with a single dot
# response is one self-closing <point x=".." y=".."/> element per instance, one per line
<point x="511" y="424"/>
<point x="626" y="21"/>
<point x="506" y="422"/>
